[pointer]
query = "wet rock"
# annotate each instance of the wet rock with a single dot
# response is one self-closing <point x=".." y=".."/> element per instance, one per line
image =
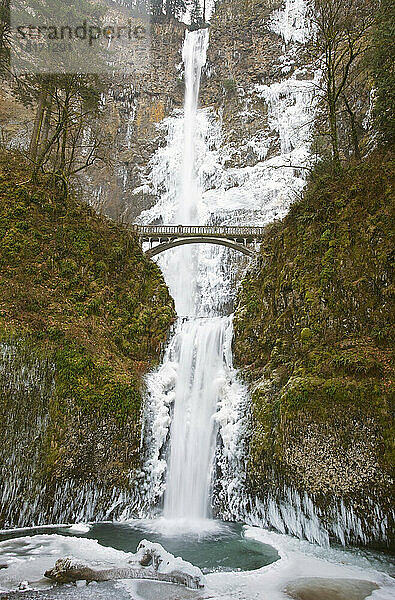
<point x="320" y="588"/>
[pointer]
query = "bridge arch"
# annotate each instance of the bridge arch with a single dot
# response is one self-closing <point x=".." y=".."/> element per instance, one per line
<point x="199" y="240"/>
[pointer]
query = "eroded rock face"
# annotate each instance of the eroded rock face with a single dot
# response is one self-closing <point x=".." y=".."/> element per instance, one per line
<point x="243" y="52"/>
<point x="134" y="106"/>
<point x="68" y="446"/>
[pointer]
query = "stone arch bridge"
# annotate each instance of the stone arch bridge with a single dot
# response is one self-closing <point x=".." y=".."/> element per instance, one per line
<point x="242" y="239"/>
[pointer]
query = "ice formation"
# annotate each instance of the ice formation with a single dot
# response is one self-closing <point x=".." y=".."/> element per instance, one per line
<point x="196" y="409"/>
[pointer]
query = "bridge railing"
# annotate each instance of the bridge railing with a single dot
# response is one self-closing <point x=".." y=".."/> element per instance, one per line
<point x="199" y="230"/>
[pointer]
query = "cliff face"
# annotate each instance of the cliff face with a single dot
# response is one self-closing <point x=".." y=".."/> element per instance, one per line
<point x="83" y="316"/>
<point x="247" y="51"/>
<point x="313" y="337"/>
<point x="243" y="52"/>
<point x="135" y="106"/>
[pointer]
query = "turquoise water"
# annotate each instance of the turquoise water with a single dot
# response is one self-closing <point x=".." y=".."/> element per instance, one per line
<point x="222" y="549"/>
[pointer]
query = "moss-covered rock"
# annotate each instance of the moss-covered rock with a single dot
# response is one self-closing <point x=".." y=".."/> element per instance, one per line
<point x="313" y="336"/>
<point x="79" y="298"/>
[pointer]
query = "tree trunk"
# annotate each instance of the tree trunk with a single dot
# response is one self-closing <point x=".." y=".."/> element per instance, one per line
<point x="61" y="171"/>
<point x="334" y="134"/>
<point x="41" y="157"/>
<point x="65" y="571"/>
<point x="38" y="122"/>
<point x="354" y="133"/>
<point x="47" y="121"/>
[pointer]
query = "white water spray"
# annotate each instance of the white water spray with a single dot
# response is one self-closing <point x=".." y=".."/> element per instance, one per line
<point x="200" y="379"/>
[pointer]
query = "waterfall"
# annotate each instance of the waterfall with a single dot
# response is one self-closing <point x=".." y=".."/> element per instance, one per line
<point x="197" y="350"/>
<point x="200" y="377"/>
<point x="198" y="344"/>
<point x="182" y="266"/>
<point x="194" y="57"/>
<point x="196" y="376"/>
<point x="195" y="415"/>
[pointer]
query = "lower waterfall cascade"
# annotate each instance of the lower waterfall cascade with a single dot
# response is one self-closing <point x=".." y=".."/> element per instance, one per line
<point x="200" y="378"/>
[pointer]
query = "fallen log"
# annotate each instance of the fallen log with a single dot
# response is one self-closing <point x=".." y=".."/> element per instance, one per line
<point x="149" y="563"/>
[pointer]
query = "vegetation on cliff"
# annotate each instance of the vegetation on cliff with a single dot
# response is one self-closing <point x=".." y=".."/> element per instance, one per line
<point x="383" y="58"/>
<point x="313" y="334"/>
<point x="77" y="292"/>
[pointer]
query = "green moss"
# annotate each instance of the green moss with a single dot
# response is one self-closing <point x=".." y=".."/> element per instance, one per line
<point x="93" y="388"/>
<point x="230" y="87"/>
<point x="334" y="405"/>
<point x="78" y="289"/>
<point x="64" y="268"/>
<point x="305" y="334"/>
<point x="319" y="309"/>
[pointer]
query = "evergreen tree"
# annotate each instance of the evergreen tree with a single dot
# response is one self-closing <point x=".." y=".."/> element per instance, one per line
<point x="156" y="10"/>
<point x="174" y="9"/>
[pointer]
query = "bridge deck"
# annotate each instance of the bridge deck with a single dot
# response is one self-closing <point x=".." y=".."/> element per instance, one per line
<point x="178" y="231"/>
